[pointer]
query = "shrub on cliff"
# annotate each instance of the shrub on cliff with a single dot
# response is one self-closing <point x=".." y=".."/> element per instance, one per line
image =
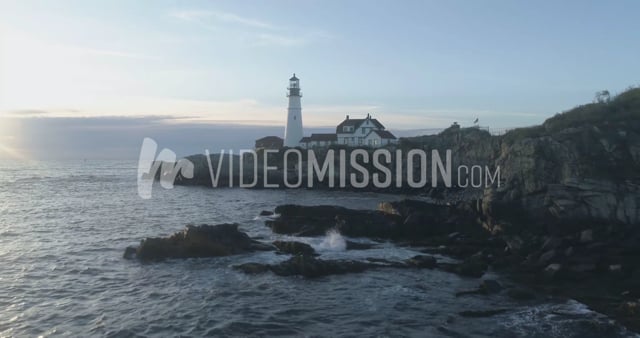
<point x="623" y="107"/>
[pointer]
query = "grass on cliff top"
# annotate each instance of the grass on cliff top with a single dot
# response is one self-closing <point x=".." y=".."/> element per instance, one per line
<point x="623" y="107"/>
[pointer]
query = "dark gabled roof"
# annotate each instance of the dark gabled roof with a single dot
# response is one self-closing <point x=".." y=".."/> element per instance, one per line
<point x="305" y="139"/>
<point x="270" y="139"/>
<point x="323" y="137"/>
<point x="385" y="134"/>
<point x="294" y="78"/>
<point x="355" y="123"/>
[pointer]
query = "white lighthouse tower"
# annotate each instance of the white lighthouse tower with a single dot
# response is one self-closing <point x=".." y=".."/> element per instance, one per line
<point x="293" y="131"/>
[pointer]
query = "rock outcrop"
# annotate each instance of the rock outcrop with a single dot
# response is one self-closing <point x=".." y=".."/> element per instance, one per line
<point x="317" y="220"/>
<point x="312" y="267"/>
<point x="408" y="219"/>
<point x="294" y="248"/>
<point x="197" y="241"/>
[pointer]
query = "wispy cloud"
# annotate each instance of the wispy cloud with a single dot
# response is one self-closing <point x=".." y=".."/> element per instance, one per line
<point x="26" y="112"/>
<point x="201" y="15"/>
<point x="265" y="39"/>
<point x="259" y="32"/>
<point x="113" y="53"/>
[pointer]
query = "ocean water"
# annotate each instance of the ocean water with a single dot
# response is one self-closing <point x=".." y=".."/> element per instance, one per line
<point x="64" y="227"/>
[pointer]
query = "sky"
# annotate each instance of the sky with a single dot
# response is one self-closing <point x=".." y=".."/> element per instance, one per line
<point x="91" y="79"/>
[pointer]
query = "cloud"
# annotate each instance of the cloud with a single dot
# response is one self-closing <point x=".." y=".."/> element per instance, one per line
<point x="260" y="33"/>
<point x="113" y="53"/>
<point x="27" y="112"/>
<point x="265" y="39"/>
<point x="121" y="137"/>
<point x="201" y="16"/>
<point x="254" y="112"/>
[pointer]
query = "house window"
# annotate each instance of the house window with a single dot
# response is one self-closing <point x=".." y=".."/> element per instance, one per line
<point x="364" y="130"/>
<point x="345" y="140"/>
<point x="360" y="140"/>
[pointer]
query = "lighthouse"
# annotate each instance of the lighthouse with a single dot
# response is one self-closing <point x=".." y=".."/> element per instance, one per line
<point x="293" y="131"/>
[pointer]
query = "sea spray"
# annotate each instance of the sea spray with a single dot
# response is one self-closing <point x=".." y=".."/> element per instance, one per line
<point x="334" y="241"/>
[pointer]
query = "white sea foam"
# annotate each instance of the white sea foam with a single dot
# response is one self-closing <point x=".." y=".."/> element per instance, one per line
<point x="333" y="241"/>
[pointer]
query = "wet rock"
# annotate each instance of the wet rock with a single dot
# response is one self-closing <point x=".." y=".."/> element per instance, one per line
<point x="552" y="271"/>
<point x="422" y="261"/>
<point x="421" y="219"/>
<point x="266" y="213"/>
<point x="260" y="246"/>
<point x="569" y="251"/>
<point x="490" y="286"/>
<point x="487" y="287"/>
<point x="294" y="248"/>
<point x="615" y="268"/>
<point x="311" y="267"/>
<point x="586" y="236"/>
<point x="317" y="220"/>
<point x="198" y="241"/>
<point x="454" y="235"/>
<point x="518" y="293"/>
<point x="546" y="257"/>
<point x="482" y="313"/>
<point x="514" y="243"/>
<point x="407" y="219"/>
<point x="582" y="268"/>
<point x="473" y="266"/>
<point x="551" y="243"/>
<point x="130" y="252"/>
<point x="631" y="308"/>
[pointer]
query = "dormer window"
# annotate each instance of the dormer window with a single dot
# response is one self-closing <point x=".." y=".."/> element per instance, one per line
<point x="347" y="129"/>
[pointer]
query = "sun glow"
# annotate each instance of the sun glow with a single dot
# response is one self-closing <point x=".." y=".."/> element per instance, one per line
<point x="9" y="134"/>
<point x="37" y="74"/>
<point x="10" y="153"/>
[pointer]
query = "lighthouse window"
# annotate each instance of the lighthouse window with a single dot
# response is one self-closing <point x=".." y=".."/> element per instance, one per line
<point x="294" y="117"/>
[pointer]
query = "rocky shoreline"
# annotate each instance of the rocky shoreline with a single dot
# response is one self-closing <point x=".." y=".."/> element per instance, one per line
<point x="589" y="266"/>
<point x="564" y="219"/>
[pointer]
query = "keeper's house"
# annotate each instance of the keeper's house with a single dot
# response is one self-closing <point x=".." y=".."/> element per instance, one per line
<point x="363" y="132"/>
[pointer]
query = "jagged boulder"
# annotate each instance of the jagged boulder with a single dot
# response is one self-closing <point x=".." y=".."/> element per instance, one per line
<point x="197" y="241"/>
<point x="311" y="267"/>
<point x="407" y="219"/>
<point x="420" y="219"/>
<point x="294" y="248"/>
<point x="562" y="178"/>
<point x="317" y="220"/>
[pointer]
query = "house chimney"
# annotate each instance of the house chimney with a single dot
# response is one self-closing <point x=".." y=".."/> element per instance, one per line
<point x="347" y="117"/>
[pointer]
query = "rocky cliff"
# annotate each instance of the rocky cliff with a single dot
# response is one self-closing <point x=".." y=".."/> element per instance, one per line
<point x="579" y="169"/>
